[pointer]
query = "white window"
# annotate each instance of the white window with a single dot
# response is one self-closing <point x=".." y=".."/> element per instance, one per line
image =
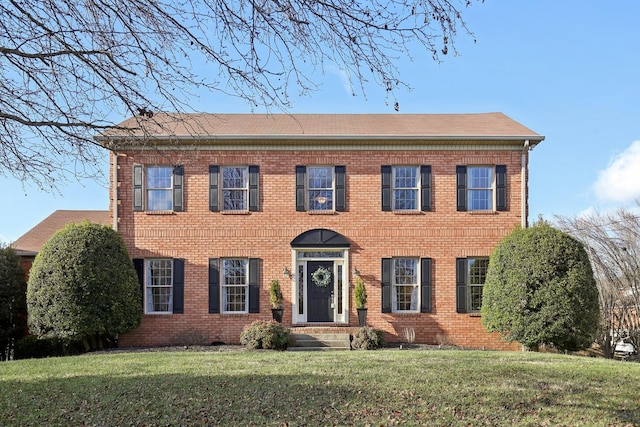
<point x="405" y="187"/>
<point x="320" y="188"/>
<point x="159" y="188"/>
<point x="476" y="276"/>
<point x="235" y="286"/>
<point x="480" y="188"/>
<point x="405" y="285"/>
<point x="159" y="288"/>
<point x="235" y="188"/>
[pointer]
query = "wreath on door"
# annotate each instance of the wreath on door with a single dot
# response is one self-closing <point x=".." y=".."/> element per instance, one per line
<point x="321" y="277"/>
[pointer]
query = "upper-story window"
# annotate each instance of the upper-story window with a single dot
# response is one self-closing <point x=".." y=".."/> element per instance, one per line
<point x="320" y="188"/>
<point x="234" y="188"/>
<point x="471" y="273"/>
<point x="481" y="188"/>
<point x="158" y="188"/>
<point x="406" y="188"/>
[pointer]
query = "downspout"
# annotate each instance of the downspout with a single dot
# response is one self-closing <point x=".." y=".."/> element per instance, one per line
<point x="114" y="185"/>
<point x="524" y="181"/>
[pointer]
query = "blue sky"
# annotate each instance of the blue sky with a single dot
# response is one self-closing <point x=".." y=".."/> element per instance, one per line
<point x="569" y="70"/>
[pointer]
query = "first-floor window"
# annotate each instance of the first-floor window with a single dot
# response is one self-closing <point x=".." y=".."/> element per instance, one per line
<point x="405" y="284"/>
<point x="235" y="286"/>
<point x="159" y="286"/>
<point x="477" y="274"/>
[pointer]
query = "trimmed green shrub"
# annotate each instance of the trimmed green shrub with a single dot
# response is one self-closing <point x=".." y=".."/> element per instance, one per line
<point x="13" y="302"/>
<point x="367" y="338"/>
<point x="265" y="334"/>
<point x="83" y="286"/>
<point x="540" y="290"/>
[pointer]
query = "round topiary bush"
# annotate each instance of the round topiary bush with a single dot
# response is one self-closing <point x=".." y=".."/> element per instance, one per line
<point x="83" y="286"/>
<point x="540" y="289"/>
<point x="367" y="338"/>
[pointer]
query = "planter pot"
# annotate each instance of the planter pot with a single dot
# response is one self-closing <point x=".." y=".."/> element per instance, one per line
<point x="276" y="313"/>
<point x="362" y="317"/>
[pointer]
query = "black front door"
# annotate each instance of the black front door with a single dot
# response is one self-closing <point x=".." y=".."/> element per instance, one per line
<point x="320" y="291"/>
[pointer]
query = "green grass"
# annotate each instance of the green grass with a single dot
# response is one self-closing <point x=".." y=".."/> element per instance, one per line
<point x="387" y="387"/>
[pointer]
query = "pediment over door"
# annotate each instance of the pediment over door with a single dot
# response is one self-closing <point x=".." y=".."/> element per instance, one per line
<point x="320" y="237"/>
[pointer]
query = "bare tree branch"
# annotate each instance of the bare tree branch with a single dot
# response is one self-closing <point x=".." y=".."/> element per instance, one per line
<point x="70" y="69"/>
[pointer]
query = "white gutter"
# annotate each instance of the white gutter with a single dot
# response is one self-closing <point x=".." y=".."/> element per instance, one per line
<point x="523" y="180"/>
<point x="115" y="190"/>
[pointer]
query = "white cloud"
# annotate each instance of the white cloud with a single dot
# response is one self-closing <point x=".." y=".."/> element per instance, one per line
<point x="620" y="181"/>
<point x="344" y="76"/>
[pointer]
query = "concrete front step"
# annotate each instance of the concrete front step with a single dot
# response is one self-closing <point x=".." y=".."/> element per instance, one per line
<point x="321" y="341"/>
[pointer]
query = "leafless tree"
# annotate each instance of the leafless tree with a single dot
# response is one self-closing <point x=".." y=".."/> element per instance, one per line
<point x="70" y="68"/>
<point x="613" y="243"/>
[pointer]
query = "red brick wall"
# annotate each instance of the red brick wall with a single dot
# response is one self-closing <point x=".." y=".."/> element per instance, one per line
<point x="198" y="234"/>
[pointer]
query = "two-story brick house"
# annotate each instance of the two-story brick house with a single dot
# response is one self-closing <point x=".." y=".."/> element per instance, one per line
<point x="212" y="207"/>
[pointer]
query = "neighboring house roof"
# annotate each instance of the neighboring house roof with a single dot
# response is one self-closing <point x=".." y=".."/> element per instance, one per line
<point x="483" y="126"/>
<point x="29" y="244"/>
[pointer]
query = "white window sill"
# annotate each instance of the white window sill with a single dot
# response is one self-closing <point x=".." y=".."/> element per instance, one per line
<point x="407" y="212"/>
<point x="159" y="212"/>
<point x="327" y="212"/>
<point x="483" y="212"/>
<point x="235" y="212"/>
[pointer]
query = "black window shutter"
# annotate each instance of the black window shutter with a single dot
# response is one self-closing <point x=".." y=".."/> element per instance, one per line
<point x="178" y="188"/>
<point x="138" y="191"/>
<point x="254" y="188"/>
<point x="461" y="187"/>
<point x="254" y="285"/>
<point x="341" y="202"/>
<point x="178" y="286"/>
<point x="301" y="172"/>
<point x="385" y="171"/>
<point x="214" y="197"/>
<point x="214" y="285"/>
<point x="425" y="187"/>
<point x="138" y="264"/>
<point x="386" y="285"/>
<point x="501" y="187"/>
<point x="425" y="285"/>
<point x="461" y="285"/>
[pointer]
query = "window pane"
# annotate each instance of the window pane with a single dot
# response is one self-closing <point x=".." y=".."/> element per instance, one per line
<point x="405" y="199"/>
<point x="320" y="200"/>
<point x="234" y="177"/>
<point x="235" y="200"/>
<point x="159" y="200"/>
<point x="405" y="271"/>
<point x="480" y="177"/>
<point x="234" y="271"/>
<point x="405" y="177"/>
<point x="159" y="299"/>
<point x="321" y="177"/>
<point x="159" y="177"/>
<point x="406" y="298"/>
<point x="475" y="295"/>
<point x="234" y="298"/>
<point x="480" y="200"/>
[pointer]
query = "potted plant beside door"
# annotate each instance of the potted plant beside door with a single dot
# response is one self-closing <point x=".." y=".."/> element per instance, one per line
<point x="275" y="297"/>
<point x="360" y="296"/>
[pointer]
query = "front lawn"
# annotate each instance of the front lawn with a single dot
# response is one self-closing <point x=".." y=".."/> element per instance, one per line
<point x="386" y="387"/>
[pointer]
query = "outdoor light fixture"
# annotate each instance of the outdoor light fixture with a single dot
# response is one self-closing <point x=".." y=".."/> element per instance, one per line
<point x="286" y="272"/>
<point x="356" y="273"/>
